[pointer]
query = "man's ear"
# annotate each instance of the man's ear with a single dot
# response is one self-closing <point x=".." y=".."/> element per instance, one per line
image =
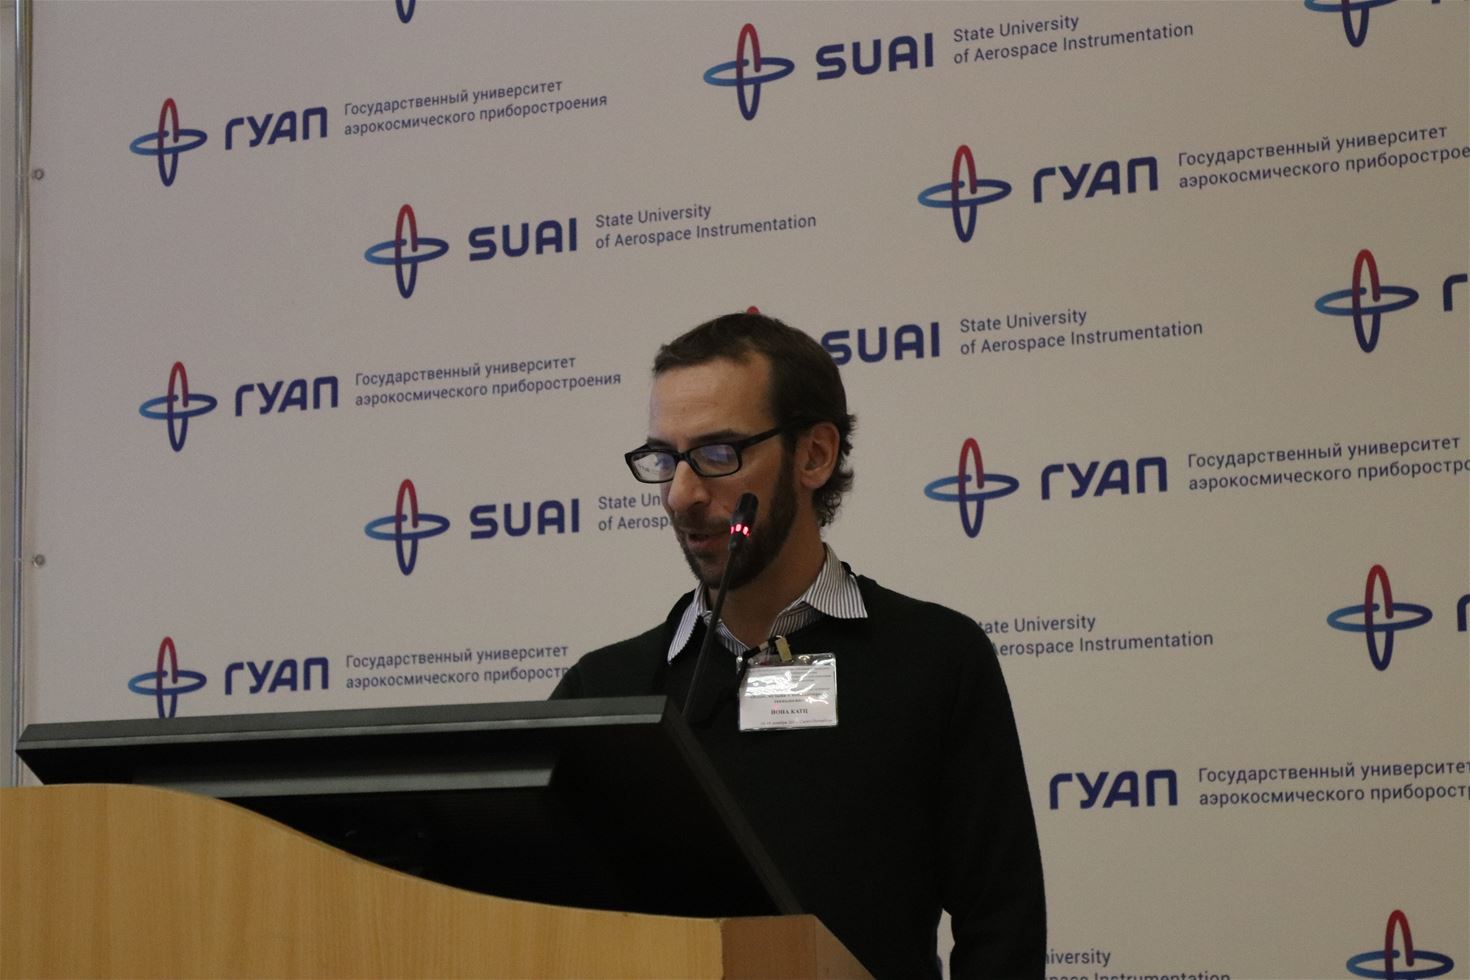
<point x="816" y="455"/>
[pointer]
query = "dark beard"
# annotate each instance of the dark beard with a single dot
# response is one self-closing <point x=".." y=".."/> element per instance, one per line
<point x="766" y="540"/>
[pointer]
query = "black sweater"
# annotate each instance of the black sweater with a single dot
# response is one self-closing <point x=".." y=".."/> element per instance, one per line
<point x="917" y="799"/>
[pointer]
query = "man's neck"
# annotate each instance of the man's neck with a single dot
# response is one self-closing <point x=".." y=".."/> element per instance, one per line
<point x="751" y="610"/>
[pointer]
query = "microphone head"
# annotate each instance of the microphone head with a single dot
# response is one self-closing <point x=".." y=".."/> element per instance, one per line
<point x="744" y="516"/>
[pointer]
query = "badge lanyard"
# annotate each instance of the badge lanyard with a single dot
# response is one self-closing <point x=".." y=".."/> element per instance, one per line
<point x="781" y="690"/>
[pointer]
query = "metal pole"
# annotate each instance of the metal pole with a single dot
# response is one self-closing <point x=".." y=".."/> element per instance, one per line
<point x="22" y="353"/>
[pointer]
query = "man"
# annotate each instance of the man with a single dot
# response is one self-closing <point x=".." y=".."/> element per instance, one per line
<point x="916" y="797"/>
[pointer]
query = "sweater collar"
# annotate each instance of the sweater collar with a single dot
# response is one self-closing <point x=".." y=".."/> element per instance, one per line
<point x="833" y="593"/>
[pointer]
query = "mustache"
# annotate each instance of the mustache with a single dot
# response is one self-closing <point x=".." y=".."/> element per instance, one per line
<point x="702" y="527"/>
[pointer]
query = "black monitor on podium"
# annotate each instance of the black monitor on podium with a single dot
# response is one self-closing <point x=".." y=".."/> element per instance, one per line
<point x="599" y="803"/>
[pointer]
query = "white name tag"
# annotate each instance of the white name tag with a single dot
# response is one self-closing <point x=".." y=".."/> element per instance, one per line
<point x="798" y="694"/>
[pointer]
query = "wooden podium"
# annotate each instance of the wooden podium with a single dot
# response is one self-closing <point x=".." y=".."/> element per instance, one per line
<point x="131" y="881"/>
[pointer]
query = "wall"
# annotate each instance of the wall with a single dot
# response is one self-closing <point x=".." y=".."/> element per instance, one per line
<point x="1155" y="337"/>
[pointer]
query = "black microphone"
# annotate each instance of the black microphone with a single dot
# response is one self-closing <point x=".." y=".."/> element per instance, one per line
<point x="740" y="525"/>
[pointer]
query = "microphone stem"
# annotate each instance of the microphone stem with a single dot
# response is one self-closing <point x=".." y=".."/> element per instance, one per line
<point x="714" y="625"/>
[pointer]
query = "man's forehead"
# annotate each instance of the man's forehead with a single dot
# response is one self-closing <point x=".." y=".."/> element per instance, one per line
<point x="719" y="396"/>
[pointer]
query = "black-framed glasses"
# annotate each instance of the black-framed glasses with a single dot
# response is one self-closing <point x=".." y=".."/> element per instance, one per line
<point x="650" y="465"/>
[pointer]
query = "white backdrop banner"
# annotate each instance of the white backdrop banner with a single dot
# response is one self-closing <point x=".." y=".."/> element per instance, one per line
<point x="1153" y="316"/>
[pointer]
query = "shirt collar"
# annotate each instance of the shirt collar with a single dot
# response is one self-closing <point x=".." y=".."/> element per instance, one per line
<point x="834" y="592"/>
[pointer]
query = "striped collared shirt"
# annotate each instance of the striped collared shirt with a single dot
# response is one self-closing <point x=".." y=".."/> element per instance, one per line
<point x="833" y="593"/>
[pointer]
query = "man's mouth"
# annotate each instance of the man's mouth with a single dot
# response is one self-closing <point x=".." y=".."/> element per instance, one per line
<point x="703" y="539"/>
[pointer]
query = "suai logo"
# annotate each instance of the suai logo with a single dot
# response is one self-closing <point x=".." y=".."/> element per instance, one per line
<point x="177" y="407"/>
<point x="749" y="71"/>
<point x="1389" y="963"/>
<point x="167" y="142"/>
<point x="1332" y="303"/>
<point x="165" y="682"/>
<point x="1408" y="616"/>
<point x="1350" y="10"/>
<point x="960" y="194"/>
<point x="1354" y="15"/>
<point x="393" y="252"/>
<point x="406" y="527"/>
<point x="971" y="489"/>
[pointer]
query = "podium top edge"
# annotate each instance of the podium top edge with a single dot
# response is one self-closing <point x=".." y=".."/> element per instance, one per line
<point x="570" y="713"/>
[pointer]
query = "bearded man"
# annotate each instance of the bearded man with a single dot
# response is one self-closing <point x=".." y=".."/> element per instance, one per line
<point x="904" y="795"/>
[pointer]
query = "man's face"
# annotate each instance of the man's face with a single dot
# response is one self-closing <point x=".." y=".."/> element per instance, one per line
<point x="722" y="401"/>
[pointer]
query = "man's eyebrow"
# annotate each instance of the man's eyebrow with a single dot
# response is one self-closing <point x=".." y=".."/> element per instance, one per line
<point x="703" y="439"/>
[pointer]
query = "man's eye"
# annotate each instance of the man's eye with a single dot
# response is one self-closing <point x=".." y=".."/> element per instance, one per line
<point x="716" y="455"/>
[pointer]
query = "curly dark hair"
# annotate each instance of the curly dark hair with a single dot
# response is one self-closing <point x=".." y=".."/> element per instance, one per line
<point x="805" y="386"/>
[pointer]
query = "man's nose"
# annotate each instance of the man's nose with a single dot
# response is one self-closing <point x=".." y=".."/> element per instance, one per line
<point x="686" y="490"/>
